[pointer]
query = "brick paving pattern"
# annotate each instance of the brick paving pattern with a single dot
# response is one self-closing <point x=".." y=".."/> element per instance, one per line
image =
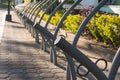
<point x="19" y="56"/>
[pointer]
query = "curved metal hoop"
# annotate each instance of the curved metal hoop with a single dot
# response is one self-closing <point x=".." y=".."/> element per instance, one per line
<point x="80" y="74"/>
<point x="103" y="60"/>
<point x="98" y="60"/>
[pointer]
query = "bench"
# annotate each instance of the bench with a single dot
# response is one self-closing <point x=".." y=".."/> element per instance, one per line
<point x="38" y="24"/>
<point x="70" y="50"/>
<point x="52" y="37"/>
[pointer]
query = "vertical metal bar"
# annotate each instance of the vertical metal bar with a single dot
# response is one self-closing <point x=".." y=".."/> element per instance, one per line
<point x="53" y="12"/>
<point x="26" y="12"/>
<point x="29" y="8"/>
<point x="37" y="37"/>
<point x="83" y="24"/>
<point x="65" y="15"/>
<point x="47" y="9"/>
<point x="29" y="14"/>
<point x="43" y="3"/>
<point x="115" y="66"/>
<point x="33" y="9"/>
<point x="32" y="14"/>
<point x="70" y="71"/>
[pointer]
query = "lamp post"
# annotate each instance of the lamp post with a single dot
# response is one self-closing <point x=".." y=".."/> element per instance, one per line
<point x="8" y="16"/>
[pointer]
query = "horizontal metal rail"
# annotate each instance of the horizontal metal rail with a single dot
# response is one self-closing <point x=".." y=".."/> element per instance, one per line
<point x="115" y="66"/>
<point x="70" y="50"/>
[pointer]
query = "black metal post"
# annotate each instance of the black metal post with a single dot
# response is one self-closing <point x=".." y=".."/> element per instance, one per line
<point x="8" y="16"/>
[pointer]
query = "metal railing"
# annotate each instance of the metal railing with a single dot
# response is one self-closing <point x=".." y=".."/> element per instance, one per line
<point x="70" y="50"/>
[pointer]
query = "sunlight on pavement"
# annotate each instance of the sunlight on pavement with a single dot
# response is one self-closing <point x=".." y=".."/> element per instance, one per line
<point x="2" y="21"/>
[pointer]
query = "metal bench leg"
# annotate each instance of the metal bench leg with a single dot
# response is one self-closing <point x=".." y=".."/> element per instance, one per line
<point x="115" y="66"/>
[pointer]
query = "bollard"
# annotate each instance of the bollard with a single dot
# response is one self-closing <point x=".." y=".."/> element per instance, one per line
<point x="8" y="16"/>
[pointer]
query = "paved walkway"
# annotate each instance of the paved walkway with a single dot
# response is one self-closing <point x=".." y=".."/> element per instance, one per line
<point x="21" y="58"/>
<point x="2" y="21"/>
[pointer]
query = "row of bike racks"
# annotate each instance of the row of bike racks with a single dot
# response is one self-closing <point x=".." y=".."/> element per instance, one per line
<point x="69" y="49"/>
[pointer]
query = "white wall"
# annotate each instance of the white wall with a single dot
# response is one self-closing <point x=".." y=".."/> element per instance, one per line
<point x="111" y="9"/>
<point x="18" y="1"/>
<point x="89" y="2"/>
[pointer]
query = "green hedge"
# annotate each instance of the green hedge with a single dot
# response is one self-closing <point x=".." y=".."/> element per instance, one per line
<point x="72" y="22"/>
<point x="55" y="19"/>
<point x="104" y="27"/>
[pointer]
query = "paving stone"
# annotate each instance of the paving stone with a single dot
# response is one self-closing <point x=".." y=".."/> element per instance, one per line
<point x="4" y="71"/>
<point x="42" y="67"/>
<point x="16" y="67"/>
<point x="16" y="70"/>
<point x="60" y="75"/>
<point x="17" y="79"/>
<point x="47" y="75"/>
<point x="45" y="57"/>
<point x="15" y="62"/>
<point x="57" y="70"/>
<point x="61" y="79"/>
<point x="17" y="75"/>
<point x="4" y="54"/>
<point x="4" y="58"/>
<point x="4" y="75"/>
<point x="4" y="67"/>
<point x="30" y="70"/>
<point x="31" y="75"/>
<point x="51" y="79"/>
<point x="28" y="62"/>
<point x="43" y="70"/>
<point x="39" y="62"/>
<point x="5" y="79"/>
<point x="4" y="63"/>
<point x="28" y="66"/>
<point x="52" y="66"/>
<point x="38" y="78"/>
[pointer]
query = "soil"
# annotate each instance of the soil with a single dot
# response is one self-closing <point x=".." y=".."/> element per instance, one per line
<point x="100" y="43"/>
